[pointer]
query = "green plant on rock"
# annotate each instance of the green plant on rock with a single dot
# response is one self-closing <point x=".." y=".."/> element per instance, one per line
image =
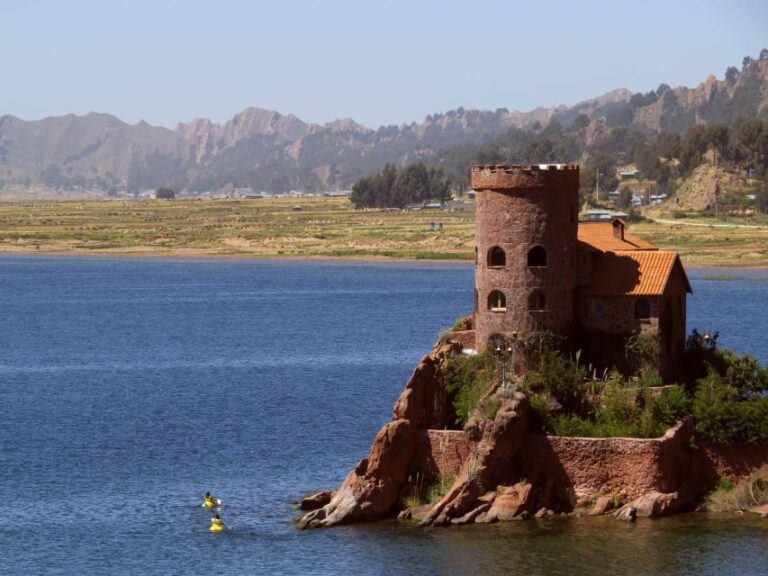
<point x="466" y="379"/>
<point x="439" y="488"/>
<point x="642" y="353"/>
<point x="751" y="492"/>
<point x="462" y="323"/>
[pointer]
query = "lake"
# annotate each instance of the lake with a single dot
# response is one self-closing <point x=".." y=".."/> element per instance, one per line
<point x="131" y="386"/>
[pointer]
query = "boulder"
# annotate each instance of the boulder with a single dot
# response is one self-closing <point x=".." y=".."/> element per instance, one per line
<point x="315" y="501"/>
<point x="602" y="505"/>
<point x="510" y="502"/>
<point x="655" y="504"/>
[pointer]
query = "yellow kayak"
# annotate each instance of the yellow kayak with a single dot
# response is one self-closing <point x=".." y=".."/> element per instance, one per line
<point x="217" y="525"/>
<point x="208" y="504"/>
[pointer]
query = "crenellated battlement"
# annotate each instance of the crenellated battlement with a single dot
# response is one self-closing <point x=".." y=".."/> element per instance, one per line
<point x="508" y="177"/>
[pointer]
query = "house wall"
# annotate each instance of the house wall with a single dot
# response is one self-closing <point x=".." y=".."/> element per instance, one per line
<point x="618" y="315"/>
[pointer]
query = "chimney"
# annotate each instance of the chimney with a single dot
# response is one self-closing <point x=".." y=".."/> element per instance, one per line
<point x="618" y="228"/>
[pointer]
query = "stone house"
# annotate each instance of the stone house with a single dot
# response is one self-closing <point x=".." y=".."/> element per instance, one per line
<point x="537" y="268"/>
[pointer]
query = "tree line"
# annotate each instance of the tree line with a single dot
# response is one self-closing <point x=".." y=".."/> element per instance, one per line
<point x="393" y="187"/>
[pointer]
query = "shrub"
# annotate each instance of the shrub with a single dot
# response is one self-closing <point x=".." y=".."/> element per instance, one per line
<point x="557" y="374"/>
<point x="642" y="353"/>
<point x="466" y="379"/>
<point x="671" y="405"/>
<point x="462" y="323"/>
<point x="539" y="404"/>
<point x="439" y="488"/>
<point x="723" y="416"/>
<point x="745" y="495"/>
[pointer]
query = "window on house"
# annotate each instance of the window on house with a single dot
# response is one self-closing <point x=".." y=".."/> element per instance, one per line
<point x="642" y="309"/>
<point x="537" y="301"/>
<point x="537" y="256"/>
<point x="497" y="302"/>
<point x="496" y="257"/>
<point x="594" y="308"/>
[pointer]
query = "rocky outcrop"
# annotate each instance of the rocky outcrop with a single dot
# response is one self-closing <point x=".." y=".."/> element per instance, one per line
<point x="503" y="471"/>
<point x="374" y="489"/>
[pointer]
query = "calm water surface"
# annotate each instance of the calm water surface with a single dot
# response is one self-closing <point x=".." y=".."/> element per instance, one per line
<point x="128" y="387"/>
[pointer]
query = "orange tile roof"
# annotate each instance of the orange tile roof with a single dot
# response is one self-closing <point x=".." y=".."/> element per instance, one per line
<point x="599" y="235"/>
<point x="634" y="273"/>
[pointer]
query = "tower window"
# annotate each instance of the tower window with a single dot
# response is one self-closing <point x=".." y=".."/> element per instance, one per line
<point x="642" y="309"/>
<point x="537" y="256"/>
<point x="497" y="302"/>
<point x="537" y="301"/>
<point x="497" y="257"/>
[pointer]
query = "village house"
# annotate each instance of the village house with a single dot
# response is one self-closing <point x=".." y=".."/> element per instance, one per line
<point x="538" y="268"/>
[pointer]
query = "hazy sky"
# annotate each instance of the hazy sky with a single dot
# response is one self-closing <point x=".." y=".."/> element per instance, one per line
<point x="380" y="62"/>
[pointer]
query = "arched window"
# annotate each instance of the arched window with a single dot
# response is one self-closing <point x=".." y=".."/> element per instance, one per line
<point x="642" y="309"/>
<point x="497" y="342"/>
<point x="497" y="302"/>
<point x="537" y="256"/>
<point x="537" y="301"/>
<point x="496" y="257"/>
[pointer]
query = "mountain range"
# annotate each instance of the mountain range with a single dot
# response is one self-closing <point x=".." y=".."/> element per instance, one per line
<point x="266" y="150"/>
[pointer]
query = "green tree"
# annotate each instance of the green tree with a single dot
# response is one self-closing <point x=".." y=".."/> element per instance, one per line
<point x="165" y="194"/>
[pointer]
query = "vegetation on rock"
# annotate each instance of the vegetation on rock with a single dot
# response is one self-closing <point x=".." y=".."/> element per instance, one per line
<point x="724" y="391"/>
<point x="751" y="492"/>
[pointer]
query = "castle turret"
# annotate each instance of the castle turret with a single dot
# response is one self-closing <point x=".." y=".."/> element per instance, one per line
<point x="525" y="242"/>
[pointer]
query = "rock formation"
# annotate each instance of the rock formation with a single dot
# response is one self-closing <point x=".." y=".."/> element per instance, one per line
<point x="504" y="470"/>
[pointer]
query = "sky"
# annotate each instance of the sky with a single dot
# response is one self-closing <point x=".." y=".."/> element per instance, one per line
<point x="377" y="62"/>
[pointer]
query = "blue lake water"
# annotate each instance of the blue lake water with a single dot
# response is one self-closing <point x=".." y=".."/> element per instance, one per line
<point x="128" y="387"/>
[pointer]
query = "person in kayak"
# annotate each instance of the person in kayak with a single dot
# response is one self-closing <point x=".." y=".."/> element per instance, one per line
<point x="209" y="501"/>
<point x="217" y="524"/>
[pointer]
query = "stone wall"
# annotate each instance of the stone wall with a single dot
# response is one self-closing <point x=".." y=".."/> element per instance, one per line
<point x="630" y="467"/>
<point x="518" y="208"/>
<point x="442" y="451"/>
<point x="616" y="315"/>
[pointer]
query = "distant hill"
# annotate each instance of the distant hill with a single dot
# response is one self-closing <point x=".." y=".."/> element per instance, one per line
<point x="266" y="150"/>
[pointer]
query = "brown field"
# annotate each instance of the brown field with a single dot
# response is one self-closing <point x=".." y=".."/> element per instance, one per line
<point x="323" y="228"/>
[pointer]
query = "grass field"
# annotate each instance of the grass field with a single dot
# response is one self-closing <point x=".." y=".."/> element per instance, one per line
<point x="324" y="227"/>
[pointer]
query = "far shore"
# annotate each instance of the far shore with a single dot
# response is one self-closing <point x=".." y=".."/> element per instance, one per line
<point x="316" y="228"/>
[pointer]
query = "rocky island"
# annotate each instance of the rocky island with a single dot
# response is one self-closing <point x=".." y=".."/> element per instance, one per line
<point x="560" y="393"/>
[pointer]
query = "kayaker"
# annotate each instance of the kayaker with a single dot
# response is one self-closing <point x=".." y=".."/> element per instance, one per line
<point x="209" y="501"/>
<point x="217" y="524"/>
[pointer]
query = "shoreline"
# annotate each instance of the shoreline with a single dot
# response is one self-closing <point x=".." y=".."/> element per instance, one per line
<point x="204" y="255"/>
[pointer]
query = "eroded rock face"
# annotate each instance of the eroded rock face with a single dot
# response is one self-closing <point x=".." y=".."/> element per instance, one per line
<point x="505" y="472"/>
<point x="374" y="489"/>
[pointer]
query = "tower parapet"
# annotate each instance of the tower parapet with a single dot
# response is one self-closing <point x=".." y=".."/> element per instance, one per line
<point x="525" y="240"/>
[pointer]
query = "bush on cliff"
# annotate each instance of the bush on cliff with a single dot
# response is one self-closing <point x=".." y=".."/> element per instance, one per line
<point x="623" y="411"/>
<point x="724" y="415"/>
<point x="466" y="379"/>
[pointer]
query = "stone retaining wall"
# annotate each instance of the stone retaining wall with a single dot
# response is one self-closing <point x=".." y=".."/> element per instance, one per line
<point x="588" y="466"/>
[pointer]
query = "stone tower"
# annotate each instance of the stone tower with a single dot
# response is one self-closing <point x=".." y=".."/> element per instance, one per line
<point x="525" y="240"/>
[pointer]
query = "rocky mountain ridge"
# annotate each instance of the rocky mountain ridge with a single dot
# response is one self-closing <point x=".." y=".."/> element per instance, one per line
<point x="267" y="150"/>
